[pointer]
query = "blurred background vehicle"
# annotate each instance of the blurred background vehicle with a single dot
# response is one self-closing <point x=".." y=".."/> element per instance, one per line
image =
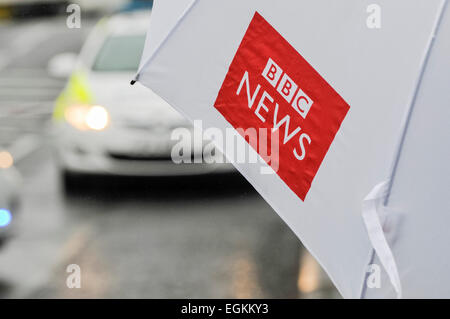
<point x="9" y="195"/>
<point x="31" y="8"/>
<point x="37" y="8"/>
<point x="106" y="126"/>
<point x="101" y="6"/>
<point x="137" y="5"/>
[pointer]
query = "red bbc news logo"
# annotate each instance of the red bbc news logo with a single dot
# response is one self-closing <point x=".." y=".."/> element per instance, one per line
<point x="270" y="85"/>
<point x="287" y="88"/>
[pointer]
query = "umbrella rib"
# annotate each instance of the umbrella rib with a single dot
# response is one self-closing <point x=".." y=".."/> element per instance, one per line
<point x="146" y="63"/>
<point x="409" y="111"/>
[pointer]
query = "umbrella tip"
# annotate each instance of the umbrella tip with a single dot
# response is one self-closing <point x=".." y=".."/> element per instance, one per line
<point x="132" y="82"/>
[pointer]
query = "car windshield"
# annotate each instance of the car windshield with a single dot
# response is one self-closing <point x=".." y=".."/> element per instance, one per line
<point x="120" y="53"/>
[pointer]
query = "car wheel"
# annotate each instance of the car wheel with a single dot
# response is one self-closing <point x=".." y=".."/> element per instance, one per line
<point x="70" y="182"/>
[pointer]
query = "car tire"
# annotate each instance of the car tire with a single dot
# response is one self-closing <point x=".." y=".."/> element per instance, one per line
<point x="70" y="182"/>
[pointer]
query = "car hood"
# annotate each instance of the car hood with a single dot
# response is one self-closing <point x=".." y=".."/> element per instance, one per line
<point x="132" y="104"/>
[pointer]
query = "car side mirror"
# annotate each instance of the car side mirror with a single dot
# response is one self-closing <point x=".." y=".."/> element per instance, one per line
<point x="62" y="65"/>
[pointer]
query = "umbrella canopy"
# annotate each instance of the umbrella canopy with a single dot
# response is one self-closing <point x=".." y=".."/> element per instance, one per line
<point x="361" y="113"/>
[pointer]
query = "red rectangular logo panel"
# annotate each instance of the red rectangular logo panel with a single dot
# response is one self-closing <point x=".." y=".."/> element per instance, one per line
<point x="270" y="85"/>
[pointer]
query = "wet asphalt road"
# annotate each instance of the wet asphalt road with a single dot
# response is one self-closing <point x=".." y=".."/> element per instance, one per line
<point x="209" y="237"/>
<point x="201" y="237"/>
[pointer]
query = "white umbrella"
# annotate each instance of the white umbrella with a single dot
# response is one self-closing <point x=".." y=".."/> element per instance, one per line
<point x="367" y="187"/>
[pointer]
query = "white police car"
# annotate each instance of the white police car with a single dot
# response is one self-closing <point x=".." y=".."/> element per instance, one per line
<point x="106" y="126"/>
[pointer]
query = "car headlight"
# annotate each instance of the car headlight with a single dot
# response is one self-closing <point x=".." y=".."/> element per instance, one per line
<point x="87" y="117"/>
